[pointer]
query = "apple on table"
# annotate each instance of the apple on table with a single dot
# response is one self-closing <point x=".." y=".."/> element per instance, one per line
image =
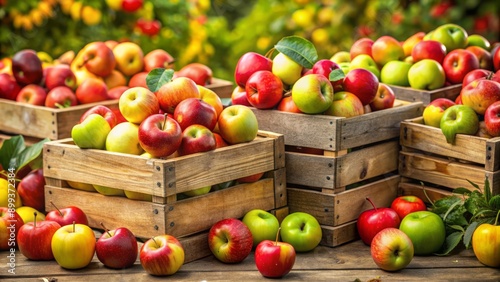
<point x="263" y="225"/>
<point x="274" y="259"/>
<point x="302" y="231"/>
<point x="426" y="231"/>
<point x="31" y="189"/>
<point x="10" y="222"/>
<point x="230" y="240"/>
<point x="73" y="246"/>
<point x="67" y="215"/>
<point x="117" y="248"/>
<point x="34" y="239"/>
<point x="391" y="249"/>
<point x="372" y="221"/>
<point x="162" y="255"/>
<point x="403" y="205"/>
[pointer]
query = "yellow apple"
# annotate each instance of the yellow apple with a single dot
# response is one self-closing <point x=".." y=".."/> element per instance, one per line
<point x="124" y="138"/>
<point x="129" y="58"/>
<point x="28" y="214"/>
<point x="81" y="186"/>
<point x="4" y="194"/>
<point x="108" y="191"/>
<point x="211" y="98"/>
<point x="138" y="196"/>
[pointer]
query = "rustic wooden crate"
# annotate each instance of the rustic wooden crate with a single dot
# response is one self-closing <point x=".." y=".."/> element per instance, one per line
<point x="426" y="96"/>
<point x="426" y="156"/>
<point x="27" y="139"/>
<point x="428" y="192"/>
<point x="165" y="180"/>
<point x="43" y="122"/>
<point x="223" y="88"/>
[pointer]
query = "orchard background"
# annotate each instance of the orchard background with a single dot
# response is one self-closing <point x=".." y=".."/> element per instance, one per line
<point x="218" y="32"/>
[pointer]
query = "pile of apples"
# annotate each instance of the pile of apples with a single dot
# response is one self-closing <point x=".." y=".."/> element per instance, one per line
<point x="425" y="61"/>
<point x="99" y="71"/>
<point x="178" y="119"/>
<point x="285" y="84"/>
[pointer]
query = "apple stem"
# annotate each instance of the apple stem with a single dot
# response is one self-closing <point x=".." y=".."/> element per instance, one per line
<point x="153" y="238"/>
<point x="277" y="236"/>
<point x="58" y="210"/>
<point x="270" y="53"/>
<point x="164" y="121"/>
<point x="369" y="200"/>
<point x="34" y="219"/>
<point x="74" y="226"/>
<point x="287" y="94"/>
<point x="425" y="193"/>
<point x="106" y="229"/>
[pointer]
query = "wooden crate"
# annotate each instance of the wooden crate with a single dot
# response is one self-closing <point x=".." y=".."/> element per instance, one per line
<point x="426" y="156"/>
<point x="43" y="122"/>
<point x="223" y="88"/>
<point x="426" y="96"/>
<point x="165" y="180"/>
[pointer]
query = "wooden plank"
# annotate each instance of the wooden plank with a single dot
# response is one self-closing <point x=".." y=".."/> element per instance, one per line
<point x="223" y="88"/>
<point x="427" y="193"/>
<point x="426" y="96"/>
<point x="333" y="236"/>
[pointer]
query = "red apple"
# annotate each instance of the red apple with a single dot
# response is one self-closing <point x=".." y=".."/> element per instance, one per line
<point x="288" y="105"/>
<point x="249" y="63"/>
<point x="434" y="111"/>
<point x="345" y="104"/>
<point x="98" y="58"/>
<point x="10" y="223"/>
<point x="172" y="93"/>
<point x="27" y="67"/>
<point x="31" y="190"/>
<point x="138" y="79"/>
<point x="361" y="46"/>
<point x="32" y="94"/>
<point x="429" y="49"/>
<point x="475" y="74"/>
<point x="34" y="239"/>
<point x="492" y="119"/>
<point x="9" y="88"/>
<point x="483" y="56"/>
<point x="392" y="249"/>
<point x="480" y="94"/>
<point x="131" y="5"/>
<point x="219" y="141"/>
<point x="274" y="259"/>
<point x="495" y="56"/>
<point x="67" y="215"/>
<point x="116" y="78"/>
<point x="239" y="97"/>
<point x="371" y="221"/>
<point x="458" y="100"/>
<point x="162" y="255"/>
<point x="60" y="97"/>
<point x="158" y="58"/>
<point x="458" y="63"/>
<point x="160" y="135"/>
<point x="325" y="67"/>
<point x="230" y="240"/>
<point x="196" y="138"/>
<point x="195" y="111"/>
<point x="264" y="90"/>
<point x="404" y="205"/>
<point x="115" y="92"/>
<point x="117" y="248"/>
<point x="362" y="83"/>
<point x="251" y="178"/>
<point x="384" y="99"/>
<point x="103" y="111"/>
<point x="60" y="75"/>
<point x="238" y="124"/>
<point x="91" y="90"/>
<point x="387" y="48"/>
<point x="201" y="74"/>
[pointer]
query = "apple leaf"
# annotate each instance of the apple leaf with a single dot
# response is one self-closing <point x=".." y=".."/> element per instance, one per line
<point x="157" y="77"/>
<point x="468" y="233"/>
<point x="298" y="49"/>
<point x="15" y="154"/>
<point x="336" y="75"/>
<point x="451" y="242"/>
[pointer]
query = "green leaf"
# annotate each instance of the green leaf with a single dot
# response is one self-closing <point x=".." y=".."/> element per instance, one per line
<point x="298" y="49"/>
<point x="336" y="74"/>
<point x="451" y="243"/>
<point x="494" y="202"/>
<point x="468" y="233"/>
<point x="461" y="191"/>
<point x="30" y="154"/>
<point x="487" y="190"/>
<point x="10" y="151"/>
<point x="157" y="77"/>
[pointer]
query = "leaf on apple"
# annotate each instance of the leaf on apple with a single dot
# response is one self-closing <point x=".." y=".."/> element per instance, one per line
<point x="298" y="49"/>
<point x="15" y="154"/>
<point x="157" y="77"/>
<point x="336" y="75"/>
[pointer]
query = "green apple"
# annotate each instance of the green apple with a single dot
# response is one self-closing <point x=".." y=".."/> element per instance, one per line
<point x="426" y="231"/>
<point x="459" y="119"/>
<point x="364" y="61"/>
<point x="198" y="192"/>
<point x="312" y="93"/>
<point x="451" y="35"/>
<point x="263" y="225"/>
<point x="238" y="124"/>
<point x="124" y="138"/>
<point x="345" y="66"/>
<point x="286" y="69"/>
<point x="302" y="231"/>
<point x="138" y="196"/>
<point x="478" y="40"/>
<point x="395" y="73"/>
<point x="108" y="191"/>
<point x="426" y="74"/>
<point x="341" y="57"/>
<point x="91" y="133"/>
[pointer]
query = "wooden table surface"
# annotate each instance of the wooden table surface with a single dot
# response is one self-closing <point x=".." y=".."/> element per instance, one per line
<point x="349" y="262"/>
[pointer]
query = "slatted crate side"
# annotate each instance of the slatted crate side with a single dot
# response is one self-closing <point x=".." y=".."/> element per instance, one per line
<point x="428" y="192"/>
<point x="334" y="236"/>
<point x="416" y="135"/>
<point x="337" y="133"/>
<point x="445" y="172"/>
<point x="426" y="96"/>
<point x="337" y="209"/>
<point x="180" y="217"/>
<point x="43" y="122"/>
<point x="159" y="177"/>
<point x="337" y="172"/>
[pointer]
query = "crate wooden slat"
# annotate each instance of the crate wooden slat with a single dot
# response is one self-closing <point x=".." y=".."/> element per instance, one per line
<point x="426" y="96"/>
<point x="428" y="194"/>
<point x="223" y="88"/>
<point x="43" y="122"/>
<point x="334" y="236"/>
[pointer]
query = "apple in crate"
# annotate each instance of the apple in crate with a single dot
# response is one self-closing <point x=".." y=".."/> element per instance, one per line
<point x="104" y="111"/>
<point x="410" y="42"/>
<point x="124" y="138"/>
<point x="238" y="124"/>
<point x="364" y="61"/>
<point x="391" y="249"/>
<point x="158" y="58"/>
<point x="302" y="231"/>
<point x="60" y="75"/>
<point x="117" y="248"/>
<point x="162" y="255"/>
<point x="458" y="119"/>
<point x="34" y="239"/>
<point x="239" y="96"/>
<point x="108" y="191"/>
<point x="387" y="48"/>
<point x="249" y="63"/>
<point x="263" y="225"/>
<point x="480" y="94"/>
<point x="10" y="222"/>
<point x="475" y="74"/>
<point x="457" y="64"/>
<point x="137" y="103"/>
<point x="201" y="74"/>
<point x="138" y="79"/>
<point x="91" y="133"/>
<point x="426" y="231"/>
<point x="160" y="135"/>
<point x="27" y="67"/>
<point x="288" y="70"/>
<point x="483" y="56"/>
<point x="129" y="58"/>
<point x="395" y="73"/>
<point x="73" y="246"/>
<point x="434" y="111"/>
<point x="426" y="74"/>
<point x="172" y="93"/>
<point x="451" y="35"/>
<point x="98" y="58"/>
<point x="195" y="111"/>
<point x="32" y="94"/>
<point x="492" y="119"/>
<point x="287" y="105"/>
<point x="325" y="67"/>
<point x="404" y="205"/>
<point x="9" y="88"/>
<point x="361" y="83"/>
<point x="31" y="189"/>
<point x="428" y="49"/>
<point x="91" y="90"/>
<point x="345" y="104"/>
<point x="67" y="215"/>
<point x="210" y="97"/>
<point x="230" y="240"/>
<point x="274" y="259"/>
<point x="196" y="138"/>
<point x="264" y="90"/>
<point x="384" y="99"/>
<point x="372" y="221"/>
<point x="60" y="97"/>
<point x="361" y="46"/>
<point x="312" y="94"/>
